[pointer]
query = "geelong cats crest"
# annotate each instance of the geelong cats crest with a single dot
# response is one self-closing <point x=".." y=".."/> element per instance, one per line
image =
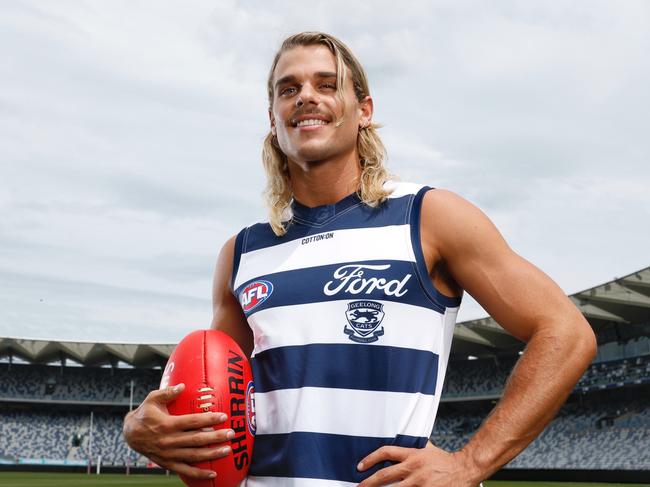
<point x="364" y="318"/>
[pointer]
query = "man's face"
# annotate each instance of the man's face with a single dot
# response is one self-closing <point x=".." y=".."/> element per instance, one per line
<point x="307" y="116"/>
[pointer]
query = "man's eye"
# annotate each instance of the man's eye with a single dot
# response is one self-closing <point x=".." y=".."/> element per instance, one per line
<point x="288" y="91"/>
<point x="329" y="86"/>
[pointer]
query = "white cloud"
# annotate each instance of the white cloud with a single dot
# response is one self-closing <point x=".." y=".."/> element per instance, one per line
<point x="130" y="135"/>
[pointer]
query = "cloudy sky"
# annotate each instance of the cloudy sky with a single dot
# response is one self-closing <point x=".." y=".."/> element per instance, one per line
<point x="130" y="134"/>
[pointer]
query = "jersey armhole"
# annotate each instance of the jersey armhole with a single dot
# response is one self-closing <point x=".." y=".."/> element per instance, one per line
<point x="420" y="264"/>
<point x="240" y="243"/>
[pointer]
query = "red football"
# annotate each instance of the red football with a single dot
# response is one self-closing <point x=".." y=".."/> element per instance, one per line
<point x="217" y="378"/>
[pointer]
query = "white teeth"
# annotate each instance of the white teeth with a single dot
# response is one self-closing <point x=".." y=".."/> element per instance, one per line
<point x="311" y="121"/>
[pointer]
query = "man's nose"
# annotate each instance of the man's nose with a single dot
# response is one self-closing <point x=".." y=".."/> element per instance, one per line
<point x="308" y="95"/>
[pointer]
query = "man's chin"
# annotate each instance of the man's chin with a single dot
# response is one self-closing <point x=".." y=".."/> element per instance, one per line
<point x="314" y="154"/>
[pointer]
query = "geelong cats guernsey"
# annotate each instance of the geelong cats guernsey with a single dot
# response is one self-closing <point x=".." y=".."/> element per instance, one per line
<point x="351" y="339"/>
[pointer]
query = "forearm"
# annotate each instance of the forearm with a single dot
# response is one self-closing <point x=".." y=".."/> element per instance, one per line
<point x="544" y="376"/>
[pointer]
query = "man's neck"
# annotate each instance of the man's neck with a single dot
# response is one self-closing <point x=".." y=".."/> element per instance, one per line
<point x="325" y="182"/>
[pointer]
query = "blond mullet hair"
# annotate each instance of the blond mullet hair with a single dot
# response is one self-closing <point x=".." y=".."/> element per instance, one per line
<point x="372" y="153"/>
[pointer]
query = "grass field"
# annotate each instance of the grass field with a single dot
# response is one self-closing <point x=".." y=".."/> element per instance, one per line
<point x="28" y="479"/>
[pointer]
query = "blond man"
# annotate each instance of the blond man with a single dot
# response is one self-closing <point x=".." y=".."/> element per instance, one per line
<point x="346" y="301"/>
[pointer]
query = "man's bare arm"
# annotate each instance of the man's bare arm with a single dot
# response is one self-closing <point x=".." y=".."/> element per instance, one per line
<point x="227" y="315"/>
<point x="460" y="241"/>
<point x="526" y="303"/>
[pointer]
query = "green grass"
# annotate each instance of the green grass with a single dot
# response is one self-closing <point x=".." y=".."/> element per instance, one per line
<point x="29" y="479"/>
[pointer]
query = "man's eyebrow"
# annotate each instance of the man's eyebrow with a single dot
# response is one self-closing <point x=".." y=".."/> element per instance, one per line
<point x="291" y="78"/>
<point x="285" y="79"/>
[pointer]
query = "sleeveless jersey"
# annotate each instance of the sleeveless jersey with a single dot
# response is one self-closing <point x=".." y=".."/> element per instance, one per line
<point x="351" y="338"/>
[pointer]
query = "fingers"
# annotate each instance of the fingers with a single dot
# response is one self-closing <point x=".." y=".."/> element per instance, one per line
<point x="192" y="472"/>
<point x="176" y="442"/>
<point x="150" y="430"/>
<point x="195" y="455"/>
<point x="184" y="469"/>
<point x="385" y="476"/>
<point x="166" y="451"/>
<point x="196" y="439"/>
<point x="196" y="421"/>
<point x="392" y="453"/>
<point x="163" y="396"/>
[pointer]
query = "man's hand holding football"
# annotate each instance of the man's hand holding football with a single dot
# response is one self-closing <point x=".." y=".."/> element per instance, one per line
<point x="175" y="442"/>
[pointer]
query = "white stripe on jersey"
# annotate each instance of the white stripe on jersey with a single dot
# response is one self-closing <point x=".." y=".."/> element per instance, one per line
<point x="404" y="326"/>
<point x="449" y="320"/>
<point x="377" y="414"/>
<point x="252" y="481"/>
<point x="402" y="189"/>
<point x="343" y="247"/>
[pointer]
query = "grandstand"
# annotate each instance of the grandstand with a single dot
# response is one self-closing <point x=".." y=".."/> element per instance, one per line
<point x="63" y="403"/>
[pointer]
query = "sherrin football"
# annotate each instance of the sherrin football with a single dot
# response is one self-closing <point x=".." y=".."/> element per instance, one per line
<point x="217" y="378"/>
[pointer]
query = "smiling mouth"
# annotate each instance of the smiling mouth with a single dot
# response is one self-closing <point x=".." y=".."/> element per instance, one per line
<point x="311" y="121"/>
<point x="304" y="120"/>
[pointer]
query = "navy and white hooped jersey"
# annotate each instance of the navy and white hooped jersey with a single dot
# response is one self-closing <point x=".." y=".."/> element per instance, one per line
<point x="351" y="339"/>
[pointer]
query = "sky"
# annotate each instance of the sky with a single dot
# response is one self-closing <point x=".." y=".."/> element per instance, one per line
<point x="130" y="138"/>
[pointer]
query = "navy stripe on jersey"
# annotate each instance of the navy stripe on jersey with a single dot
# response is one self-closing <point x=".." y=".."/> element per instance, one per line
<point x="343" y="366"/>
<point x="422" y="271"/>
<point x="320" y="215"/>
<point x="393" y="211"/>
<point x="313" y="279"/>
<point x="301" y="454"/>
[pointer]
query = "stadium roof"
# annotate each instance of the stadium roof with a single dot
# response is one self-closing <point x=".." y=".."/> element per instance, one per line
<point x="610" y="308"/>
<point x="86" y="353"/>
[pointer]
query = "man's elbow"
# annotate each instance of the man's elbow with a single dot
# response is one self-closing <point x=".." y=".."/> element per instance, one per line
<point x="573" y="338"/>
<point x="584" y="340"/>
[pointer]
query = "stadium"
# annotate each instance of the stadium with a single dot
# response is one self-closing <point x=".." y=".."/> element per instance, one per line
<point x="62" y="403"/>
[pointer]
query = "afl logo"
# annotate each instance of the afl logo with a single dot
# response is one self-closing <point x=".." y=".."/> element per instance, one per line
<point x="255" y="294"/>
<point x="250" y="408"/>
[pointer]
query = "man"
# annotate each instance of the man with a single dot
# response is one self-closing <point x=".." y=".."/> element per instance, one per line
<point x="347" y="298"/>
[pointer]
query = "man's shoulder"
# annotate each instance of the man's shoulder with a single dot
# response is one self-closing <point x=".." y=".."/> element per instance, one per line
<point x="435" y="206"/>
<point x="433" y="199"/>
<point x="444" y="202"/>
<point x="454" y="224"/>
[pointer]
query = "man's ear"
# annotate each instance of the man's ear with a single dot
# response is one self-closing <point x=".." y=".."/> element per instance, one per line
<point x="272" y="120"/>
<point x="366" y="109"/>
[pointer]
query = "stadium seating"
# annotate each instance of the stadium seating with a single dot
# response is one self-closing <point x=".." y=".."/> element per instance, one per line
<point x="470" y="378"/>
<point x="36" y="424"/>
<point x="603" y="436"/>
<point x="487" y="377"/>
<point x="91" y="384"/>
<point x="50" y="435"/>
